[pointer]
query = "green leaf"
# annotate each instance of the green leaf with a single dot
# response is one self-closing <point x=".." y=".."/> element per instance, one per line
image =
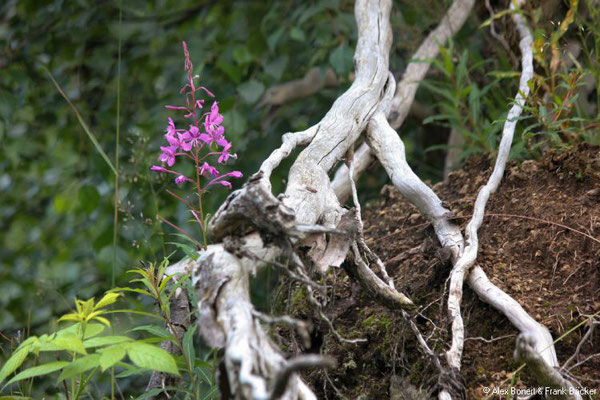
<point x="297" y="34"/>
<point x="233" y="72"/>
<point x="43" y="369"/>
<point x="212" y="393"/>
<point x="15" y="398"/>
<point x="273" y="39"/>
<point x="93" y="329"/>
<point x="13" y="363"/>
<point x="135" y="290"/>
<point x="70" y="317"/>
<point x="241" y="55"/>
<point x="89" y="198"/>
<point x="341" y="59"/>
<point x="165" y="281"/>
<point x="105" y="341"/>
<point x="82" y="123"/>
<point x="205" y="373"/>
<point x="188" y="345"/>
<point x="236" y="123"/>
<point x="108" y="299"/>
<point x="188" y="250"/>
<point x="27" y="343"/>
<point x="155" y="330"/>
<point x="500" y="14"/>
<point x="276" y="67"/>
<point x="251" y="90"/>
<point x="151" y="357"/>
<point x="80" y="366"/>
<point x="87" y="306"/>
<point x="68" y="341"/>
<point x="129" y="370"/>
<point x="103" y="320"/>
<point x="111" y="355"/>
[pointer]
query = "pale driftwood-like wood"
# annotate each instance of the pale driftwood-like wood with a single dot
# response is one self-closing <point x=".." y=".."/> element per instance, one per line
<point x="255" y="227"/>
<point x="221" y="277"/>
<point x="415" y="72"/>
<point x="312" y="82"/>
<point x="468" y="257"/>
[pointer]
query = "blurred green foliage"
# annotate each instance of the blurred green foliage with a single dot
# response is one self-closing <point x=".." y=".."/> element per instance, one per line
<point x="56" y="191"/>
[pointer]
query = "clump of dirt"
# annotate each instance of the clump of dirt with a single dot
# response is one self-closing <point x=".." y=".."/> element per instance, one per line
<point x="540" y="242"/>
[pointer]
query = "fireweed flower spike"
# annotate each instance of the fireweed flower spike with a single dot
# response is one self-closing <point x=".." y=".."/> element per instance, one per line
<point x="204" y="139"/>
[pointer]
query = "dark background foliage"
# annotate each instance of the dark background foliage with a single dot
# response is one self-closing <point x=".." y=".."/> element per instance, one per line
<point x="57" y="215"/>
<point x="56" y="191"/>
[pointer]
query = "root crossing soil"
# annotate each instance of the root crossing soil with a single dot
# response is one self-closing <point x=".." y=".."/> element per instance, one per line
<point x="540" y="242"/>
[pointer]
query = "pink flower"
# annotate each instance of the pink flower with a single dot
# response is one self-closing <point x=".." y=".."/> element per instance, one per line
<point x="182" y="178"/>
<point x="176" y="108"/>
<point x="212" y="122"/>
<point x="206" y="167"/>
<point x="234" y="174"/>
<point x="225" y="183"/>
<point x="157" y="168"/>
<point x="168" y="155"/>
<point x="190" y="138"/>
<point x="171" y="127"/>
<point x="225" y="154"/>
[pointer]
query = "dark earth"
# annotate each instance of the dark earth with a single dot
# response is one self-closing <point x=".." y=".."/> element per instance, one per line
<point x="540" y="242"/>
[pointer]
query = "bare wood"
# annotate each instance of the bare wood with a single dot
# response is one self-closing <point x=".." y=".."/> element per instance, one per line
<point x="468" y="257"/>
<point x="415" y="72"/>
<point x="315" y="80"/>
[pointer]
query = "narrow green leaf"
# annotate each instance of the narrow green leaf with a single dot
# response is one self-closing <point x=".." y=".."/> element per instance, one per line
<point x="204" y="372"/>
<point x="105" y="341"/>
<point x="13" y="363"/>
<point x="152" y="357"/>
<point x="212" y="393"/>
<point x="83" y="124"/>
<point x="43" y="369"/>
<point x="79" y="366"/>
<point x="188" y="345"/>
<point x="134" y="290"/>
<point x="27" y="343"/>
<point x="103" y="320"/>
<point x="70" y="317"/>
<point x="164" y="282"/>
<point x="129" y="370"/>
<point x="153" y="329"/>
<point x="108" y="299"/>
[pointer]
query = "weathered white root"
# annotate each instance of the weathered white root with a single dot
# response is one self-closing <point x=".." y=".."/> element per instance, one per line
<point x="494" y="296"/>
<point x="340" y="184"/>
<point x="313" y="82"/>
<point x="534" y="345"/>
<point x="555" y="386"/>
<point x="403" y="100"/>
<point x="415" y="72"/>
<point x="389" y="149"/>
<point x="226" y="317"/>
<point x="468" y="257"/>
<point x="309" y="189"/>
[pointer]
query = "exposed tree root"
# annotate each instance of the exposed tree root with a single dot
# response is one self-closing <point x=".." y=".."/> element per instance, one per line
<point x="255" y="227"/>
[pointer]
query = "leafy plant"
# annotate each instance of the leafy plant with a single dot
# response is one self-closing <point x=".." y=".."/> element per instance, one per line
<point x="80" y="352"/>
<point x="464" y="105"/>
